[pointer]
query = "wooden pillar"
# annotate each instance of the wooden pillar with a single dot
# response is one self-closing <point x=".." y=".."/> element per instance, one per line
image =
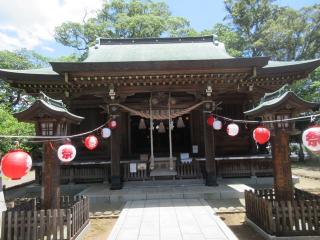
<point x="115" y="153"/>
<point x="281" y="165"/>
<point x="211" y="173"/>
<point x="50" y="192"/>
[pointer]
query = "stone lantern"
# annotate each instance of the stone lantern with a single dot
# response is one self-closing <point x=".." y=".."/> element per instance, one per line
<point x="281" y="105"/>
<point x="51" y="118"/>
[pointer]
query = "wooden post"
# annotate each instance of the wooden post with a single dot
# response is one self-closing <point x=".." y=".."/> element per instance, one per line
<point x="50" y="194"/>
<point x="211" y="173"/>
<point x="282" y="167"/>
<point x="115" y="153"/>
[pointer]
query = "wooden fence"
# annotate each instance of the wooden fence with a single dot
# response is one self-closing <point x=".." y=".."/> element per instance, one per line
<point x="244" y="167"/>
<point x="28" y="222"/>
<point x="299" y="217"/>
<point x="188" y="170"/>
<point x="139" y="174"/>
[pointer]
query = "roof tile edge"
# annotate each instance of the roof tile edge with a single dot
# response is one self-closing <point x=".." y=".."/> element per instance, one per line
<point x="117" y="41"/>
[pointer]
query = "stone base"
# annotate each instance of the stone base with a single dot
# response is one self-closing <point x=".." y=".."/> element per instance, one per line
<point x="116" y="183"/>
<point x="211" y="180"/>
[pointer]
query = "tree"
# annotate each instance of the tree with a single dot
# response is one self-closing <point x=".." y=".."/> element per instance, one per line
<point x="233" y="41"/>
<point x="280" y="32"/>
<point x="248" y="18"/>
<point x="292" y="35"/>
<point x="309" y="88"/>
<point x="20" y="60"/>
<point x="123" y="19"/>
<point x="10" y="126"/>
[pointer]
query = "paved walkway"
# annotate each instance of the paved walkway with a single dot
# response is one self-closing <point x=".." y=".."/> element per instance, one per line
<point x="170" y="219"/>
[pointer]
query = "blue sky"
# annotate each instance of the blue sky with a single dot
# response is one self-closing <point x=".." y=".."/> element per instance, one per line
<point x="32" y="25"/>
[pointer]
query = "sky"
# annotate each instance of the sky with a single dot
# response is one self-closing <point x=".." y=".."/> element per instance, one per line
<point x="30" y="23"/>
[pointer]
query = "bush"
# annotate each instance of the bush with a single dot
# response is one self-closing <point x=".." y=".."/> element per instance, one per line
<point x="10" y="126"/>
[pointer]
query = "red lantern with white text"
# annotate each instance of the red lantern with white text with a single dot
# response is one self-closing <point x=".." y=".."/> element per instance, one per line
<point x="232" y="129"/>
<point x="66" y="152"/>
<point x="311" y="139"/>
<point x="210" y="120"/>
<point x="261" y="135"/>
<point x="16" y="164"/>
<point x="112" y="124"/>
<point x="91" y="142"/>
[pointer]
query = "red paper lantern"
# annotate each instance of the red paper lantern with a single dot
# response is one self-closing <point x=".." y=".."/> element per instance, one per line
<point x="16" y="164"/>
<point x="261" y="135"/>
<point x="91" y="142"/>
<point x="112" y="124"/>
<point x="311" y="139"/>
<point x="66" y="152"/>
<point x="210" y="120"/>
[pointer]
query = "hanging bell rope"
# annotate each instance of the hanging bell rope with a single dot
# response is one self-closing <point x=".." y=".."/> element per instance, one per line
<point x="161" y="116"/>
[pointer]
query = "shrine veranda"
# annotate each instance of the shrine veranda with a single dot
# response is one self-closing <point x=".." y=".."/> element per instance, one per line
<point x="177" y="79"/>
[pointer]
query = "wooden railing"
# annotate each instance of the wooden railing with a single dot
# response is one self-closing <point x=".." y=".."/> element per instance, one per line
<point x="34" y="223"/>
<point x="188" y="170"/>
<point x="244" y="166"/>
<point x="140" y="174"/>
<point x="299" y="217"/>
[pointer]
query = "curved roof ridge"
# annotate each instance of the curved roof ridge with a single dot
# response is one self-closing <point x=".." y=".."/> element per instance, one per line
<point x="157" y="49"/>
<point x="156" y="40"/>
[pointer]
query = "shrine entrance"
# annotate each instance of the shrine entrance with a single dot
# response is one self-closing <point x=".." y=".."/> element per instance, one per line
<point x="140" y="136"/>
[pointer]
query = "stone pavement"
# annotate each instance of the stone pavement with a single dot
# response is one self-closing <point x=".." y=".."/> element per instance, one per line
<point x="170" y="219"/>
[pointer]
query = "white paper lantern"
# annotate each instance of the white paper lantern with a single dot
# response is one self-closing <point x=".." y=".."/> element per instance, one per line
<point x="232" y="129"/>
<point x="67" y="152"/>
<point x="311" y="139"/>
<point x="106" y="132"/>
<point x="217" y="124"/>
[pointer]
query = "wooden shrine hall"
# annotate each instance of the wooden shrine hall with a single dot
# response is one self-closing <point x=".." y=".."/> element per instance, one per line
<point x="160" y="91"/>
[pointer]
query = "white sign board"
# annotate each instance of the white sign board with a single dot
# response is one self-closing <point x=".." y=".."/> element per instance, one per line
<point x="133" y="167"/>
<point x="195" y="149"/>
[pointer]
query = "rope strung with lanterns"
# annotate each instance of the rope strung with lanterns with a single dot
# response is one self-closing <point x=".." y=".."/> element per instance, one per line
<point x="261" y="134"/>
<point x="17" y="163"/>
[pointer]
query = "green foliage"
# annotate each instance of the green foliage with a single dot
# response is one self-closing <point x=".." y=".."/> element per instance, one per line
<point x="248" y="18"/>
<point x="280" y="32"/>
<point x="309" y="88"/>
<point x="10" y="126"/>
<point x="232" y="40"/>
<point x="20" y="60"/>
<point x="292" y="35"/>
<point x="124" y="19"/>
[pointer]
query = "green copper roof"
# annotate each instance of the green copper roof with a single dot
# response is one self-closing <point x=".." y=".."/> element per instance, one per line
<point x="271" y="100"/>
<point x="272" y="64"/>
<point x="42" y="71"/>
<point x="43" y="104"/>
<point x="157" y="49"/>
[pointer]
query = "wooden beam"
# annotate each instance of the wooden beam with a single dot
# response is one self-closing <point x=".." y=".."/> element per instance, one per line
<point x="211" y="173"/>
<point x="282" y="167"/>
<point x="115" y="152"/>
<point x="50" y="194"/>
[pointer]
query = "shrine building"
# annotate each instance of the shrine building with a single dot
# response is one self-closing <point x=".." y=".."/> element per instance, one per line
<point x="160" y="92"/>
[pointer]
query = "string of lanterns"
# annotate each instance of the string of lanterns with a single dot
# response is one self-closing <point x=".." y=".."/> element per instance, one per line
<point x="261" y="134"/>
<point x="17" y="163"/>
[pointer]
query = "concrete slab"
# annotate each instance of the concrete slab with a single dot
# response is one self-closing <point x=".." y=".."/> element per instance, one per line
<point x="148" y="190"/>
<point x="166" y="219"/>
